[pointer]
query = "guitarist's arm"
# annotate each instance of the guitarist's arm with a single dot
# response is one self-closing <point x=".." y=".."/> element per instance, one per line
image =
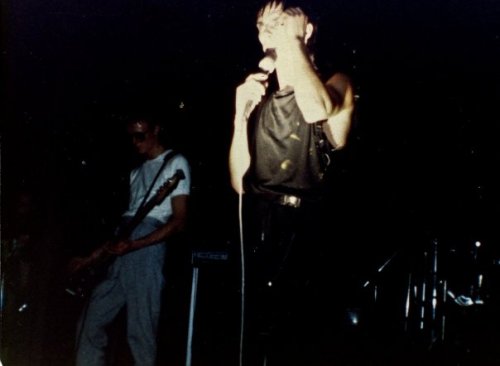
<point x="176" y="224"/>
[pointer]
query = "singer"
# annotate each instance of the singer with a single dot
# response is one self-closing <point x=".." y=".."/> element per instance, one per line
<point x="280" y="151"/>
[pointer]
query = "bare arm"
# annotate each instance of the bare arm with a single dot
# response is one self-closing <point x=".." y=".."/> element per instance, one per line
<point x="339" y="121"/>
<point x="175" y="224"/>
<point x="297" y="69"/>
<point x="331" y="101"/>
<point x="312" y="96"/>
<point x="239" y="155"/>
<point x="248" y="95"/>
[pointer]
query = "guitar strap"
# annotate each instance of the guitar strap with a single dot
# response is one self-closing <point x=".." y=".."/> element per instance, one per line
<point x="123" y="230"/>
<point x="166" y="158"/>
<point x="89" y="277"/>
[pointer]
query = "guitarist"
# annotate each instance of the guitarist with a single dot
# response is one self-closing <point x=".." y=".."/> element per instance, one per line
<point x="135" y="277"/>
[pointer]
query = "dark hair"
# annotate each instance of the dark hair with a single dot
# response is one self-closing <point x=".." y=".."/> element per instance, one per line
<point x="148" y="118"/>
<point x="305" y="5"/>
<point x="164" y="135"/>
<point x="312" y="15"/>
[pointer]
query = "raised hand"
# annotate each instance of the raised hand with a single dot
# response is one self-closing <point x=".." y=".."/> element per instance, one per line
<point x="294" y="22"/>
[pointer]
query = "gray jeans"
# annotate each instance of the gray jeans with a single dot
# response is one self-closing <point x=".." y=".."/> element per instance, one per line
<point x="135" y="281"/>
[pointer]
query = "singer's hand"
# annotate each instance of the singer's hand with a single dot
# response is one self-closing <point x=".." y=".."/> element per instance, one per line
<point x="291" y="30"/>
<point x="249" y="94"/>
<point x="295" y="23"/>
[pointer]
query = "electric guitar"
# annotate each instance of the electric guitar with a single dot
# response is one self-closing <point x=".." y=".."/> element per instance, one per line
<point x="93" y="270"/>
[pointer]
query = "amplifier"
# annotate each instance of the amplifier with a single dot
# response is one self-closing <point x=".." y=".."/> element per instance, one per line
<point x="206" y="257"/>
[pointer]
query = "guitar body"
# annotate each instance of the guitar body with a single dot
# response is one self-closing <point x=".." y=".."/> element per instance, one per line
<point x="81" y="283"/>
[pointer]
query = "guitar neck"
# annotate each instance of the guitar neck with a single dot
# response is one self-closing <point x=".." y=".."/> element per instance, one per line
<point x="136" y="220"/>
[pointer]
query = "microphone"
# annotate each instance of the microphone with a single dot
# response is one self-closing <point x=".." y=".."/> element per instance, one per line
<point x="267" y="66"/>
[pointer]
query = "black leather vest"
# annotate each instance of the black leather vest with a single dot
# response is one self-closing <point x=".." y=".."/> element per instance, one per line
<point x="287" y="152"/>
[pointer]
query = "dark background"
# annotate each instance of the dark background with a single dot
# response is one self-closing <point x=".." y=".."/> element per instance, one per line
<point x="421" y="164"/>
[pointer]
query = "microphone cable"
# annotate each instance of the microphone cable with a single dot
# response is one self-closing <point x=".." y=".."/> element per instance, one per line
<point x="267" y="66"/>
<point x="242" y="275"/>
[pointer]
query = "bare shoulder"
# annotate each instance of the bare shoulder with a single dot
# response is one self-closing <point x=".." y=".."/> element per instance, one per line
<point x="340" y="88"/>
<point x="337" y="126"/>
<point x="340" y="82"/>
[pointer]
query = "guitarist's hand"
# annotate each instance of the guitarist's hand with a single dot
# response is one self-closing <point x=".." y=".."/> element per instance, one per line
<point x="120" y="247"/>
<point x="78" y="263"/>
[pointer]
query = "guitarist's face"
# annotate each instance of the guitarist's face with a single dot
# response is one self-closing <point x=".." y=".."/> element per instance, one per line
<point x="144" y="139"/>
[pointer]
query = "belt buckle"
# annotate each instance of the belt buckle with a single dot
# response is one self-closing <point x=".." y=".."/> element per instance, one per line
<point x="291" y="201"/>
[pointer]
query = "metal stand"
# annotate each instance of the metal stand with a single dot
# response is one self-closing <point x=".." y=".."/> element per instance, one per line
<point x="426" y="298"/>
<point x="424" y="312"/>
<point x="421" y="307"/>
<point x="473" y="295"/>
<point x="192" y="309"/>
<point x="198" y="259"/>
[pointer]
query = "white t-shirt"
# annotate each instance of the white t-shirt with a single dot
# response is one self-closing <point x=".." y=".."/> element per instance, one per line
<point x="141" y="178"/>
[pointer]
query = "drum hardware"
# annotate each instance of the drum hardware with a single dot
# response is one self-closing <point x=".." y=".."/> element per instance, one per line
<point x="23" y="307"/>
<point x="420" y="310"/>
<point x="474" y="294"/>
<point x="426" y="294"/>
<point x="374" y="282"/>
<point x="463" y="300"/>
<point x="426" y="297"/>
<point x="477" y="283"/>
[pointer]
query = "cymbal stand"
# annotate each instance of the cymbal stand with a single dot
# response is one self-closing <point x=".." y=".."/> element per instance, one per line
<point x="426" y="298"/>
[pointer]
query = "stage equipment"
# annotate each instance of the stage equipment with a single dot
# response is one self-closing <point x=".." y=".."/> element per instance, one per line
<point x="199" y="259"/>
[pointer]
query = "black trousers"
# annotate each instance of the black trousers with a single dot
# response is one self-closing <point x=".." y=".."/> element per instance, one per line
<point x="282" y="245"/>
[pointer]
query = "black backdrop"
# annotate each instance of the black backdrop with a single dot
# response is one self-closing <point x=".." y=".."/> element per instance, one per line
<point x="425" y="74"/>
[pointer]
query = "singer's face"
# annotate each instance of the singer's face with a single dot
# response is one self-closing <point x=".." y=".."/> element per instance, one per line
<point x="269" y="19"/>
